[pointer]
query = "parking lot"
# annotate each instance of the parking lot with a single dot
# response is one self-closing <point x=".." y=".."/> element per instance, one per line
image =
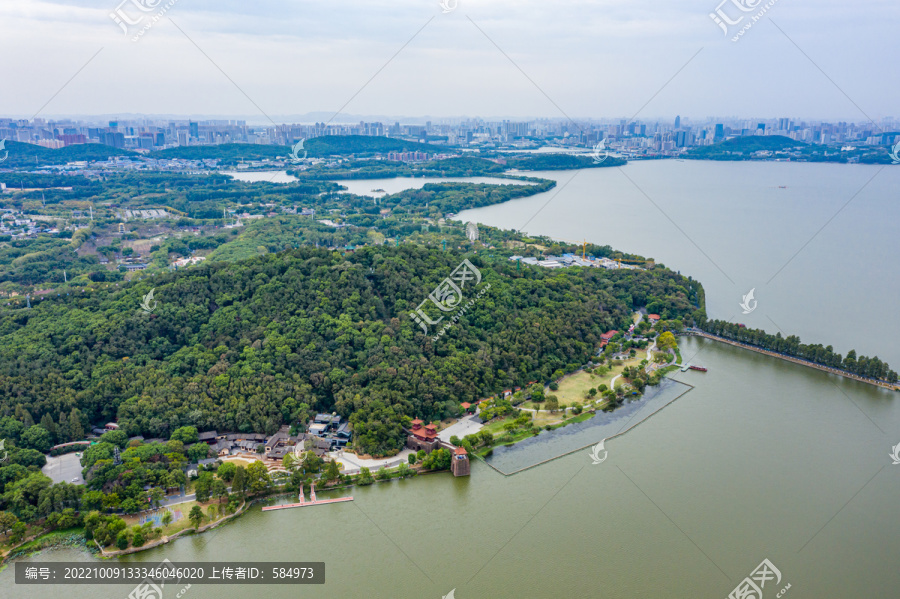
<point x="64" y="468"/>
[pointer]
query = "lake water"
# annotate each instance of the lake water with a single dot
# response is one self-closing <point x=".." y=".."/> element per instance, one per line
<point x="548" y="445"/>
<point x="368" y="187"/>
<point x="819" y="243"/>
<point x="763" y="459"/>
<point x="262" y="176"/>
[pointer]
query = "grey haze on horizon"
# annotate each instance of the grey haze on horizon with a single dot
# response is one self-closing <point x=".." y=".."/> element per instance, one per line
<point x="302" y="61"/>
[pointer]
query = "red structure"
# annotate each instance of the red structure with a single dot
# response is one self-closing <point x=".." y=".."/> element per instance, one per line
<point x="467" y="407"/>
<point x="605" y="337"/>
<point x="459" y="465"/>
<point x="422" y="437"/>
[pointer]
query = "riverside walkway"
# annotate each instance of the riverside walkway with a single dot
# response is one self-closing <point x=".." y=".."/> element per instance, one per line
<point x="801" y="361"/>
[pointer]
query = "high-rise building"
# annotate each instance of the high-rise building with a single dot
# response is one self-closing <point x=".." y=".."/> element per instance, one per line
<point x="678" y="122"/>
<point x="194" y="130"/>
<point x="113" y="138"/>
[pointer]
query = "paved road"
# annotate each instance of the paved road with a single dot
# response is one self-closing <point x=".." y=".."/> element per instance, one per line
<point x="465" y="426"/>
<point x="176" y="499"/>
<point x="352" y="463"/>
<point x="64" y="468"/>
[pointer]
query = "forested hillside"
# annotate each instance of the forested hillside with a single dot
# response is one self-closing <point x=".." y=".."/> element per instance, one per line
<point x="247" y="346"/>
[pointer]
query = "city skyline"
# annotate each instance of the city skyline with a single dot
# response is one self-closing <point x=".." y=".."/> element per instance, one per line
<point x="635" y="137"/>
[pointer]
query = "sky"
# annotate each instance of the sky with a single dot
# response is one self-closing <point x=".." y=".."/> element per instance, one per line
<point x="265" y="60"/>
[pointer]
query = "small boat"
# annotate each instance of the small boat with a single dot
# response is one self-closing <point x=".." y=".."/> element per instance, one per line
<point x="782" y="187"/>
<point x="700" y="368"/>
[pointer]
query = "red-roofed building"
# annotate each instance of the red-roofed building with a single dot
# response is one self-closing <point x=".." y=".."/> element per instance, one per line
<point x="459" y="464"/>
<point x="605" y="337"/>
<point x="422" y="437"/>
<point x="653" y="318"/>
<point x="467" y="407"/>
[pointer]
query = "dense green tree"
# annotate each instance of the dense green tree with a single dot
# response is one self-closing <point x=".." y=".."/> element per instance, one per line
<point x="37" y="438"/>
<point x="239" y="482"/>
<point x="226" y="471"/>
<point x="185" y="434"/>
<point x="332" y="471"/>
<point x="439" y="459"/>
<point x="115" y="437"/>
<point x="196" y="516"/>
<point x="258" y="479"/>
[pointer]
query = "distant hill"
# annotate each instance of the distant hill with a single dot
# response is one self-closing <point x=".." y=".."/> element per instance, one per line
<point x="225" y="153"/>
<point x="558" y="162"/>
<point x="25" y="154"/>
<point x="318" y="147"/>
<point x="336" y="145"/>
<point x="462" y="166"/>
<point x="740" y="148"/>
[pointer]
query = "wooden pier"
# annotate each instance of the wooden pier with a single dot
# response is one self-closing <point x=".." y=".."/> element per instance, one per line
<point x="303" y="503"/>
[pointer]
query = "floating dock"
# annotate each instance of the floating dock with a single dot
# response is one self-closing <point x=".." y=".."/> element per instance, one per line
<point x="303" y="503"/>
<point x="318" y="502"/>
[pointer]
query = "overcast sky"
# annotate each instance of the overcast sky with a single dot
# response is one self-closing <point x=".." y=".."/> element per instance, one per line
<point x="488" y="58"/>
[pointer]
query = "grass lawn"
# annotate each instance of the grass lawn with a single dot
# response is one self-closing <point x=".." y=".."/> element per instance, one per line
<point x="45" y="540"/>
<point x="180" y="513"/>
<point x="573" y="387"/>
<point x="239" y="461"/>
<point x="495" y="427"/>
<point x="6" y="544"/>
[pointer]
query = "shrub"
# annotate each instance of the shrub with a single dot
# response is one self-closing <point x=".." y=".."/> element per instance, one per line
<point x="122" y="540"/>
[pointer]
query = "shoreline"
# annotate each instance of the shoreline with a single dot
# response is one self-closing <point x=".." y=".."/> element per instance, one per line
<point x="800" y="361"/>
<point x="102" y="554"/>
<point x="570" y="452"/>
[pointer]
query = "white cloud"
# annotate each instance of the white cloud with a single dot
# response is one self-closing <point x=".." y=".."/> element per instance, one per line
<point x="593" y="58"/>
